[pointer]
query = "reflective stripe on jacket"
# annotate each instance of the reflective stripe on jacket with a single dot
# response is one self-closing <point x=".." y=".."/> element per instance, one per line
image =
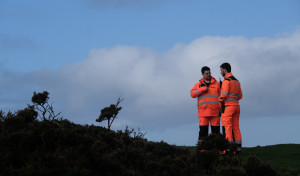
<point x="231" y="91"/>
<point x="208" y="97"/>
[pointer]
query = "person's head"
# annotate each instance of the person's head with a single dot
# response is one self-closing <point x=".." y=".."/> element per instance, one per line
<point x="206" y="72"/>
<point x="225" y="68"/>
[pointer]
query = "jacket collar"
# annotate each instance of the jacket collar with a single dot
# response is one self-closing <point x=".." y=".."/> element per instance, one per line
<point x="212" y="80"/>
<point x="228" y="75"/>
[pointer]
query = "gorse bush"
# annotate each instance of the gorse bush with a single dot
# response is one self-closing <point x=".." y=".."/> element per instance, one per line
<point x="214" y="142"/>
<point x="110" y="113"/>
<point x="44" y="148"/>
<point x="40" y="103"/>
<point x="29" y="146"/>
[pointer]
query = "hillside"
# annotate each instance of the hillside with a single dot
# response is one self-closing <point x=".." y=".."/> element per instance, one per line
<point x="64" y="148"/>
<point x="55" y="146"/>
<point x="284" y="157"/>
<point x="59" y="147"/>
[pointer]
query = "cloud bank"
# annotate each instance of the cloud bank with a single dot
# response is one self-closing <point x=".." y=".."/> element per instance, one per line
<point x="156" y="86"/>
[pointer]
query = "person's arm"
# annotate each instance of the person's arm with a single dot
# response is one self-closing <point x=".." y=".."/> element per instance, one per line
<point x="241" y="93"/>
<point x="221" y="104"/>
<point x="224" y="90"/>
<point x="196" y="91"/>
<point x="218" y="89"/>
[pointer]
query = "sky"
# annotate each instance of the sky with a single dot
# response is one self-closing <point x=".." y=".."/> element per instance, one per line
<point x="88" y="53"/>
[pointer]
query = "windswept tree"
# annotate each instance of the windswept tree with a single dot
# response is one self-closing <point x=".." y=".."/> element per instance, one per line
<point x="40" y="101"/>
<point x="110" y="113"/>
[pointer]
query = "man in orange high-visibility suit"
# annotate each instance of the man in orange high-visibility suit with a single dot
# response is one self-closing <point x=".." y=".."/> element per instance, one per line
<point x="231" y="93"/>
<point x="207" y="90"/>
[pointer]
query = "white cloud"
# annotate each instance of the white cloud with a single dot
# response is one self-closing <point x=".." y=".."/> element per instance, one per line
<point x="156" y="85"/>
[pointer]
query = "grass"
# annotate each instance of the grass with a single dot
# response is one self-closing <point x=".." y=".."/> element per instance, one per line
<point x="282" y="157"/>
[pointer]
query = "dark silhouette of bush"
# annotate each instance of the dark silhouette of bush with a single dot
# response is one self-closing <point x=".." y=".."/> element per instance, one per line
<point x="40" y="103"/>
<point x="44" y="148"/>
<point x="254" y="167"/>
<point x="229" y="165"/>
<point x="110" y="113"/>
<point x="28" y="114"/>
<point x="29" y="146"/>
<point x="214" y="142"/>
<point x="40" y="98"/>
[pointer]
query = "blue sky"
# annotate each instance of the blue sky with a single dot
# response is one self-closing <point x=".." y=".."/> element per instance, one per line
<point x="88" y="53"/>
<point x="54" y="33"/>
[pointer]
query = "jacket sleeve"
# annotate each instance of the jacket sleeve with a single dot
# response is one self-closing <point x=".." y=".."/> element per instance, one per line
<point x="224" y="89"/>
<point x="241" y="93"/>
<point x="218" y="89"/>
<point x="219" y="92"/>
<point x="196" y="91"/>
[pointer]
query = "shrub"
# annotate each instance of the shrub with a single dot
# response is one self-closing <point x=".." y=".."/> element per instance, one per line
<point x="254" y="167"/>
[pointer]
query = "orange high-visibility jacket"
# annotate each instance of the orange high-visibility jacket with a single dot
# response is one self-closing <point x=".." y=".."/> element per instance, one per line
<point x="231" y="91"/>
<point x="208" y="102"/>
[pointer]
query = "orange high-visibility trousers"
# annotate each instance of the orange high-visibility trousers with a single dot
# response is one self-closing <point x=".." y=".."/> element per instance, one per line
<point x="214" y="121"/>
<point x="230" y="120"/>
<point x="204" y="123"/>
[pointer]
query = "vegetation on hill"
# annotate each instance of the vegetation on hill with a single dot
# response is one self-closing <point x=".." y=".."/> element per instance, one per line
<point x="56" y="146"/>
<point x="283" y="157"/>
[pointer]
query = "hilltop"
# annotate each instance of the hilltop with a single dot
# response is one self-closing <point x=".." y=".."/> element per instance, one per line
<point x="60" y="147"/>
<point x="64" y="148"/>
<point x="52" y="145"/>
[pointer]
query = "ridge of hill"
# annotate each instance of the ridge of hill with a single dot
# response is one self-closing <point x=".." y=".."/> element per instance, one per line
<point x="56" y="146"/>
<point x="59" y="147"/>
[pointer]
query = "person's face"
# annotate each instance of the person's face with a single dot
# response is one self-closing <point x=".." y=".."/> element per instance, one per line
<point x="206" y="74"/>
<point x="223" y="71"/>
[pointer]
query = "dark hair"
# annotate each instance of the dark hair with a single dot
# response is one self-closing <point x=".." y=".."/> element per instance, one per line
<point x="203" y="69"/>
<point x="226" y="66"/>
